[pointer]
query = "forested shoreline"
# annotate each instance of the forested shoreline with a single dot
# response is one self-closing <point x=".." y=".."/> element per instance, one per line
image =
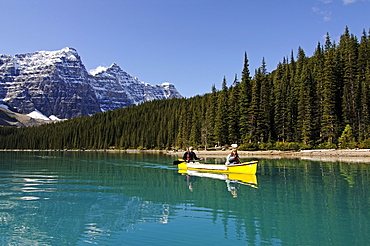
<point x="321" y="101"/>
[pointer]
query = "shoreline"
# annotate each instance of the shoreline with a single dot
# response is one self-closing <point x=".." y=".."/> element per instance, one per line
<point x="333" y="155"/>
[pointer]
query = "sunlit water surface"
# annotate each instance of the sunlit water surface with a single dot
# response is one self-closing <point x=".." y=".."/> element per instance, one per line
<point x="99" y="198"/>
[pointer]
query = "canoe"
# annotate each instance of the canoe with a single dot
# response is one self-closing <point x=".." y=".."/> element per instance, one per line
<point x="245" y="168"/>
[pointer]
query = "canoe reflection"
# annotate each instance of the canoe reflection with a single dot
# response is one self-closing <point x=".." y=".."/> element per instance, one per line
<point x="233" y="180"/>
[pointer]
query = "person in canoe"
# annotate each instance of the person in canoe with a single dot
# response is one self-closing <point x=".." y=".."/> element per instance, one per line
<point x="190" y="156"/>
<point x="232" y="158"/>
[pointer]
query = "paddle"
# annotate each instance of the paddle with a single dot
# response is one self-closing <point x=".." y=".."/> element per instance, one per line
<point x="178" y="162"/>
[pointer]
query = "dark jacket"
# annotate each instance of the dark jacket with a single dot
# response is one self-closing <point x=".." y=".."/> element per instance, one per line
<point x="190" y="156"/>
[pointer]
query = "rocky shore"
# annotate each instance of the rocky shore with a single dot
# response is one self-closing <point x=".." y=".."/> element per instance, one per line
<point x="350" y="155"/>
<point x="346" y="155"/>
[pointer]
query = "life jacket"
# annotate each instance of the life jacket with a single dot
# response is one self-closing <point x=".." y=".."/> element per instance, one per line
<point x="189" y="156"/>
<point x="233" y="158"/>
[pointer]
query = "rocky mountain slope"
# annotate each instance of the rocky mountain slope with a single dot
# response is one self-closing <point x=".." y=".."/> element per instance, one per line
<point x="57" y="84"/>
<point x="9" y="118"/>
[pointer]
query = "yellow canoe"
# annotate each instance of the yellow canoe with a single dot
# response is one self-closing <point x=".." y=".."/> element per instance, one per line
<point x="244" y="168"/>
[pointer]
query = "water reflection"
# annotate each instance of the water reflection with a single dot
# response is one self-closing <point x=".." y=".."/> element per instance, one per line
<point x="105" y="199"/>
<point x="233" y="180"/>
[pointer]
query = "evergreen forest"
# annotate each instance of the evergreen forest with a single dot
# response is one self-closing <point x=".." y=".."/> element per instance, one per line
<point x="322" y="101"/>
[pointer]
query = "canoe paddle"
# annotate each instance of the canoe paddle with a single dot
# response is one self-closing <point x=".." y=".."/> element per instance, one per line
<point x="178" y="162"/>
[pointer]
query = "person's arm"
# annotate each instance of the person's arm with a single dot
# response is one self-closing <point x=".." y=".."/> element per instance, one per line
<point x="227" y="159"/>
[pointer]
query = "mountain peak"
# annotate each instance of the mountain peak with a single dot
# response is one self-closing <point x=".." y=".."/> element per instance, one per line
<point x="57" y="83"/>
<point x="102" y="69"/>
<point x="99" y="69"/>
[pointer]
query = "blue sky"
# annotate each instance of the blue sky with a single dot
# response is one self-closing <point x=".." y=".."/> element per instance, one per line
<point x="190" y="43"/>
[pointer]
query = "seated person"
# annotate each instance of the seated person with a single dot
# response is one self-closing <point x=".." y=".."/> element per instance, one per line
<point x="232" y="158"/>
<point x="190" y="156"/>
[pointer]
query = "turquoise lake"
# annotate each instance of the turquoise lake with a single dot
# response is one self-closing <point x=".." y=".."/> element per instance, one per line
<point x="104" y="198"/>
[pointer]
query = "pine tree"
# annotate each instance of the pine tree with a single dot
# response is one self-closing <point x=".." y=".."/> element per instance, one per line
<point x="265" y="104"/>
<point x="234" y="112"/>
<point x="350" y="96"/>
<point x="305" y="106"/>
<point x="292" y="95"/>
<point x="347" y="139"/>
<point x="259" y="108"/>
<point x="364" y="84"/>
<point x="280" y="104"/>
<point x="329" y="121"/>
<point x="245" y="94"/>
<point x="209" y="127"/>
<point x="221" y="127"/>
<point x="317" y="64"/>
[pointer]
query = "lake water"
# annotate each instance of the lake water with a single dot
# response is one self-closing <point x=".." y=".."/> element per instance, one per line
<point x="100" y="198"/>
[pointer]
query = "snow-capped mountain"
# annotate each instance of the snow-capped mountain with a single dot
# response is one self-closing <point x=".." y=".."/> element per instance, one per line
<point x="57" y="84"/>
<point x="116" y="88"/>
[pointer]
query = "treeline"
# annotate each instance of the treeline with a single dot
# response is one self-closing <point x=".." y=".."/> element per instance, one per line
<point x="321" y="101"/>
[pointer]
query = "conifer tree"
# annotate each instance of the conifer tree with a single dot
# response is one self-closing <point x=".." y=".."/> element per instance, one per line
<point x="259" y="109"/>
<point x="280" y="104"/>
<point x="221" y="127"/>
<point x="347" y="139"/>
<point x="305" y="106"/>
<point x="265" y="103"/>
<point x="317" y="64"/>
<point x="348" y="51"/>
<point x="234" y="112"/>
<point x="329" y="121"/>
<point x="364" y="83"/>
<point x="245" y="94"/>
<point x="209" y="127"/>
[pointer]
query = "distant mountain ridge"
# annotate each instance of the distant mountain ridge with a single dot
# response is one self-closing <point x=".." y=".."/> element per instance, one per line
<point x="57" y="84"/>
<point x="9" y="118"/>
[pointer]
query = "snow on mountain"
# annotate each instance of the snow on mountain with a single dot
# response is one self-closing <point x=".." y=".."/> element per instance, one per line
<point x="113" y="86"/>
<point x="97" y="70"/>
<point x="37" y="115"/>
<point x="57" y="83"/>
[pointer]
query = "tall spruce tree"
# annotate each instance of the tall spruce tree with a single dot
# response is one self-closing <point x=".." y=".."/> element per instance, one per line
<point x="259" y="109"/>
<point x="329" y="120"/>
<point x="234" y="112"/>
<point x="317" y="65"/>
<point x="305" y="106"/>
<point x="211" y="116"/>
<point x="280" y="104"/>
<point x="364" y="83"/>
<point x="348" y="52"/>
<point x="265" y="103"/>
<point x="245" y="94"/>
<point x="221" y="127"/>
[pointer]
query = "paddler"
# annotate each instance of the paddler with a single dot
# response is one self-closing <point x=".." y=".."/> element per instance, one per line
<point x="232" y="158"/>
<point x="190" y="155"/>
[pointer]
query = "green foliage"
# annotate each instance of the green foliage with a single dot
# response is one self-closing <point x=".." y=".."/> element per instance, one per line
<point x="302" y="104"/>
<point x="347" y="140"/>
<point x="364" y="144"/>
<point x="249" y="146"/>
<point x="287" y="146"/>
<point x="326" y="145"/>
